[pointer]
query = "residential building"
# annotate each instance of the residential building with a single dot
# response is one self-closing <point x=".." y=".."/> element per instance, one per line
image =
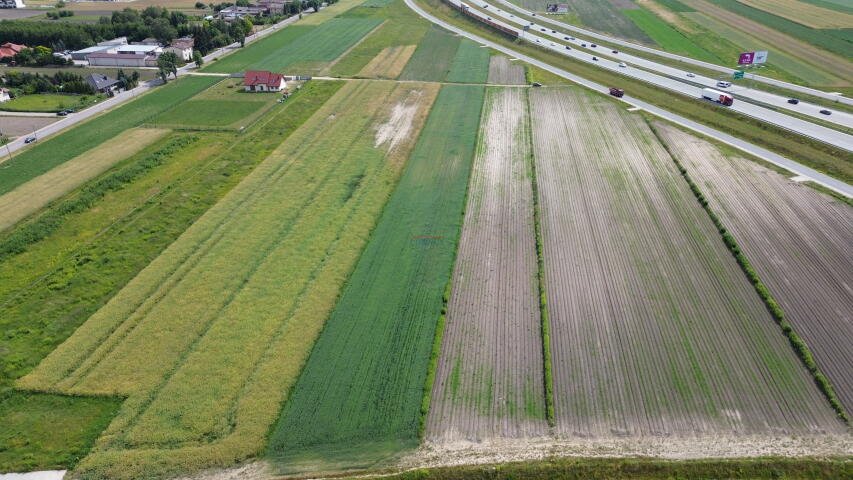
<point x="182" y="47"/>
<point x="4" y="95"/>
<point x="8" y="50"/>
<point x="102" y="83"/>
<point x="231" y="13"/>
<point x="263" y="81"/>
<point x="274" y="7"/>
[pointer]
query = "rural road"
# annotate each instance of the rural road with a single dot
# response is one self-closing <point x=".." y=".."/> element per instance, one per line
<point x="699" y="63"/>
<point x="840" y="118"/>
<point x="776" y="159"/>
<point x="548" y="39"/>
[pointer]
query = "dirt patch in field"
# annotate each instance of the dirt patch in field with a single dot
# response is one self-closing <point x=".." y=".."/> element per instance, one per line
<point x="504" y="72"/>
<point x="38" y="192"/>
<point x="389" y="63"/>
<point x="400" y="121"/>
<point x="18" y="126"/>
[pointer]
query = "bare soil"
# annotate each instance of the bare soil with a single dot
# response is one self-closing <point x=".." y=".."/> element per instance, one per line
<point x="15" y="126"/>
<point x="504" y="72"/>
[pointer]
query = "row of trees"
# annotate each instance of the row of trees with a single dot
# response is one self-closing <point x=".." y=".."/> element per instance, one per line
<point x="25" y="83"/>
<point x="39" y="57"/>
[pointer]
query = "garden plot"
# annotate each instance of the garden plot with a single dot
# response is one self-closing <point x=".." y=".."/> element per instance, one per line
<point x="240" y="297"/>
<point x="389" y="63"/>
<point x="798" y="241"/>
<point x="490" y="379"/>
<point x="504" y="72"/>
<point x="655" y="330"/>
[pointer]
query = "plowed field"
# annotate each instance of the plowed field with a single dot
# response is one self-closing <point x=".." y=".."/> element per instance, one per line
<point x="504" y="72"/>
<point x="490" y="376"/>
<point x="799" y="242"/>
<point x="654" y="328"/>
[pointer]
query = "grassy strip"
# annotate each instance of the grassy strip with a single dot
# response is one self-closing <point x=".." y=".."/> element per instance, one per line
<point x="67" y="145"/>
<point x="640" y="469"/>
<point x="822" y="157"/>
<point x="773" y="307"/>
<point x="540" y="277"/>
<point x="668" y="37"/>
<point x="35" y="231"/>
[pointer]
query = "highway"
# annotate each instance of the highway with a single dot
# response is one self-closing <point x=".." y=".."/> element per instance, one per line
<point x="699" y="63"/>
<point x="762" y="153"/>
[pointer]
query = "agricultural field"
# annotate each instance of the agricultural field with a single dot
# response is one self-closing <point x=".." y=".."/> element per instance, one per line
<point x="798" y="241"/>
<point x="64" y="264"/>
<point x="668" y="37"/>
<point x="16" y="126"/>
<point x="606" y="16"/>
<point x="490" y="381"/>
<point x="299" y="49"/>
<point x="504" y="72"/>
<point x="245" y="290"/>
<point x="45" y="102"/>
<point x="375" y="348"/>
<point x="58" y="149"/>
<point x="389" y="63"/>
<point x="470" y="65"/>
<point x="654" y="329"/>
<point x="811" y="16"/>
<point x="434" y="56"/>
<point x="32" y="196"/>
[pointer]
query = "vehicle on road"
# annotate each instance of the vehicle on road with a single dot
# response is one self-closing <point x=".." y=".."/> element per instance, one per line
<point x="622" y="65"/>
<point x="617" y="92"/>
<point x="583" y="45"/>
<point x="717" y="97"/>
<point x="826" y="112"/>
<point x="594" y="59"/>
<point x="29" y="139"/>
<point x="793" y="101"/>
<point x="565" y="38"/>
<point x="592" y="45"/>
<point x="568" y="47"/>
<point x="690" y="75"/>
<point x="535" y="84"/>
<point x="615" y="51"/>
<point x="61" y="113"/>
<point x="724" y="84"/>
<point x="553" y="44"/>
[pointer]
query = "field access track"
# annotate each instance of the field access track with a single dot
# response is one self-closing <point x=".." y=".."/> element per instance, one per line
<point x="241" y="296"/>
<point x="798" y="241"/>
<point x="490" y="379"/>
<point x="358" y="399"/>
<point x="655" y="330"/>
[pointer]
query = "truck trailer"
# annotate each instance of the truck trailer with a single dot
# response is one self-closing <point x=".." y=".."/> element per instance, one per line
<point x="717" y="96"/>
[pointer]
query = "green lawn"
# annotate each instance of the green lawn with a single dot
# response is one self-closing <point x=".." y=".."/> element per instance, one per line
<point x="471" y="63"/>
<point x="296" y="45"/>
<point x="60" y="148"/>
<point x="433" y="58"/>
<point x="667" y="37"/>
<point x="48" y="102"/>
<point x="224" y="105"/>
<point x="358" y="400"/>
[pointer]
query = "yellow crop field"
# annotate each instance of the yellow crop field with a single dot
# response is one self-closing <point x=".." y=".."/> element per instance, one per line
<point x="389" y="63"/>
<point x="38" y="192"/>
<point x="241" y="296"/>
<point x="803" y="13"/>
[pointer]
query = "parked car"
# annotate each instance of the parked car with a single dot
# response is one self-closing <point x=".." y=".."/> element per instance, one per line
<point x="622" y="65"/>
<point x="690" y="75"/>
<point x="793" y="101"/>
<point x="826" y="112"/>
<point x="617" y="92"/>
<point x="29" y="139"/>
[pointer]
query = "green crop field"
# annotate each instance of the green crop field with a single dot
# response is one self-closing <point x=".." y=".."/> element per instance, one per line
<point x="296" y="46"/>
<point x="432" y="60"/>
<point x="601" y="15"/>
<point x="67" y="145"/>
<point x="239" y="297"/>
<point x="44" y="102"/>
<point x="63" y="265"/>
<point x="667" y="37"/>
<point x="359" y="397"/>
<point x="470" y="65"/>
<point x="225" y="104"/>
<point x="675" y="5"/>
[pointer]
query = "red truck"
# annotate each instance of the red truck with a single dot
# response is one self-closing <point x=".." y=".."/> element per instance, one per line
<point x="617" y="92"/>
<point x="717" y="96"/>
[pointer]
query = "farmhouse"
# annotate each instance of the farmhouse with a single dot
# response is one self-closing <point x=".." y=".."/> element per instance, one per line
<point x="8" y="50"/>
<point x="263" y="81"/>
<point x="233" y="13"/>
<point x="102" y="83"/>
<point x="182" y="47"/>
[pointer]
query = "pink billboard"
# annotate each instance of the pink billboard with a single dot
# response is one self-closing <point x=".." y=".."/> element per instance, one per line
<point x="746" y="58"/>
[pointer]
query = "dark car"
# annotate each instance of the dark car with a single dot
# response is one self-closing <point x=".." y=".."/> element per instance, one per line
<point x="583" y="44"/>
<point x="593" y="45"/>
<point x="30" y="140"/>
<point x="826" y="112"/>
<point x="793" y="101"/>
<point x="566" y="38"/>
<point x="617" y="92"/>
<point x="62" y="113"/>
<point x="568" y="47"/>
<point x="542" y="29"/>
<point x="594" y="59"/>
<point x="536" y="84"/>
<point x="615" y="51"/>
<point x="553" y="31"/>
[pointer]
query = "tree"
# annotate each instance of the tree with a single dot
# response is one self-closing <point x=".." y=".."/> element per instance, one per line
<point x="200" y="6"/>
<point x="163" y="31"/>
<point x="198" y="59"/>
<point x="167" y="63"/>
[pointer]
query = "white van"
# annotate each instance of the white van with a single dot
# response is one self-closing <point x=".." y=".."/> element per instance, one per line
<point x="724" y="84"/>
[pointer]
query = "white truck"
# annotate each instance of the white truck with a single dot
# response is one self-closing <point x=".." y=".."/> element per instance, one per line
<point x="717" y="96"/>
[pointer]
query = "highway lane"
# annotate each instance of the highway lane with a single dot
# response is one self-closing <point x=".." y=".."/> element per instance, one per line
<point x="547" y="40"/>
<point x="699" y="63"/>
<point x="840" y="118"/>
<point x="762" y="153"/>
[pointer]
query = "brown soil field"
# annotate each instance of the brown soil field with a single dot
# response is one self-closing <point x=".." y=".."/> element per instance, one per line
<point x="490" y="381"/>
<point x="504" y="72"/>
<point x="790" y="45"/>
<point x="38" y="192"/>
<point x="655" y="330"/>
<point x="803" y="13"/>
<point x="797" y="239"/>
<point x="15" y="126"/>
<point x="389" y="63"/>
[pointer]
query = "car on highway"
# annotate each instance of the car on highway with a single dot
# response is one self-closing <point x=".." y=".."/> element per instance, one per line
<point x="617" y="92"/>
<point x="568" y="47"/>
<point x="536" y="84"/>
<point x="594" y="59"/>
<point x="553" y="31"/>
<point x="793" y="101"/>
<point x="542" y="29"/>
<point x="622" y="65"/>
<point x="615" y="51"/>
<point x="553" y="44"/>
<point x="724" y="84"/>
<point x="565" y="38"/>
<point x="826" y="112"/>
<point x="583" y="45"/>
<point x="592" y="45"/>
<point x="690" y="75"/>
<point x="29" y="139"/>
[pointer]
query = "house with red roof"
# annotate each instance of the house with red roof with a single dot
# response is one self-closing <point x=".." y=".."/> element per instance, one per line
<point x="8" y="50"/>
<point x="263" y="81"/>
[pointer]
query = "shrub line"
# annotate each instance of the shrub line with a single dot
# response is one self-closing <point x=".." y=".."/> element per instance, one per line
<point x="799" y="346"/>
<point x="540" y="278"/>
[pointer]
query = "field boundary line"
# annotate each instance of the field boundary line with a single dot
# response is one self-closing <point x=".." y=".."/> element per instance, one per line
<point x="540" y="275"/>
<point x="800" y="348"/>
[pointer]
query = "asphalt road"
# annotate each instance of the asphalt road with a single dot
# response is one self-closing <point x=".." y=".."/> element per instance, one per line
<point x="699" y="63"/>
<point x="561" y="34"/>
<point x="546" y="38"/>
<point x="764" y="154"/>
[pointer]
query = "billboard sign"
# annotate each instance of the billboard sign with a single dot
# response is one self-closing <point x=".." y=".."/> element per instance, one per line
<point x="760" y="57"/>
<point x="738" y="74"/>
<point x="746" y="58"/>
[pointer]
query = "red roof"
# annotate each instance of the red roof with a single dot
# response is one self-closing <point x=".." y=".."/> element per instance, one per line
<point x="10" y="49"/>
<point x="260" y="77"/>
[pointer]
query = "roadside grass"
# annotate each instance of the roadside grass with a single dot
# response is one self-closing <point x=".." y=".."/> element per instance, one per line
<point x="433" y="58"/>
<point x="668" y="37"/>
<point x="602" y="16"/>
<point x="766" y="468"/>
<point x="49" y="102"/>
<point x="470" y="65"/>
<point x="225" y="105"/>
<point x="286" y="49"/>
<point x="70" y="260"/>
<point x="358" y="400"/>
<point x="817" y="155"/>
<point x="58" y="149"/>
